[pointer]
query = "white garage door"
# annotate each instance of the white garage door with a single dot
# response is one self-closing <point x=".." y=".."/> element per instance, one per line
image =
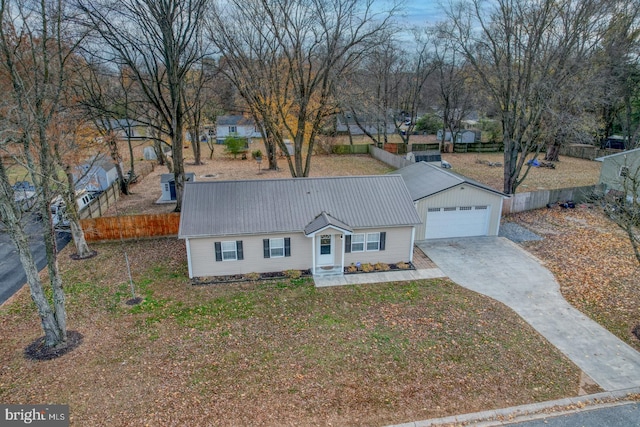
<point x="461" y="221"/>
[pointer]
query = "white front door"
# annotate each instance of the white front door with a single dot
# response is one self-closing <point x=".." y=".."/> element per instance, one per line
<point x="325" y="249"/>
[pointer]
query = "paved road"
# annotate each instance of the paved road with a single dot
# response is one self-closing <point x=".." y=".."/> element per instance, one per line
<point x="12" y="275"/>
<point x="627" y="415"/>
<point x="499" y="268"/>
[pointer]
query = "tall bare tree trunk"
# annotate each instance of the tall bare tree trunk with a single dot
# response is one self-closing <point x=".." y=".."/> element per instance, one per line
<point x="53" y="325"/>
<point x="77" y="234"/>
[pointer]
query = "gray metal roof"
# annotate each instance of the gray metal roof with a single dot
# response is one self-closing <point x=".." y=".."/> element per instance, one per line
<point x="169" y="177"/>
<point x="424" y="180"/>
<point x="325" y="220"/>
<point x="234" y="121"/>
<point x="219" y="208"/>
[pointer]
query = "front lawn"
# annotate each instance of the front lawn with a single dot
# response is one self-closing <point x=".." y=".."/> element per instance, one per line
<point x="272" y="352"/>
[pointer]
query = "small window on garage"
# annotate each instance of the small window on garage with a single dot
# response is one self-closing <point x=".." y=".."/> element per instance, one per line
<point x="624" y="171"/>
<point x="465" y="208"/>
<point x="449" y="209"/>
<point x="433" y="210"/>
<point x="481" y="207"/>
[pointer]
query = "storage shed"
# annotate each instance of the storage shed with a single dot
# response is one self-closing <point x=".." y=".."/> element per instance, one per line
<point x="168" y="185"/>
<point x="451" y="205"/>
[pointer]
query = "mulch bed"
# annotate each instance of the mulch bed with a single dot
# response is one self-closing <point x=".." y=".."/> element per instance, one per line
<point x="235" y="278"/>
<point x="38" y="351"/>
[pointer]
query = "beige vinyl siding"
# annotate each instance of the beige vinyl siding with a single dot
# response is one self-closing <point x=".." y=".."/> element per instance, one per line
<point x="460" y="195"/>
<point x="397" y="247"/>
<point x="203" y="256"/>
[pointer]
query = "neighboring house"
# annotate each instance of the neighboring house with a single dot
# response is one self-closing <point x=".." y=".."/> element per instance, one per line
<point x="462" y="137"/>
<point x="128" y="129"/>
<point x="321" y="224"/>
<point x="616" y="167"/>
<point x="451" y="205"/>
<point x="96" y="174"/>
<point x="468" y="136"/>
<point x="371" y="125"/>
<point x="168" y="185"/>
<point x="239" y="126"/>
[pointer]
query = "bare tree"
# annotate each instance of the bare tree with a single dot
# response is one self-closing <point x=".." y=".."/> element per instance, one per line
<point x="286" y="59"/>
<point x="159" y="43"/>
<point x="523" y="52"/>
<point x="200" y="102"/>
<point x="453" y="85"/>
<point x="371" y="91"/>
<point x="385" y="93"/>
<point x="617" y="78"/>
<point x="105" y="100"/>
<point x="34" y="52"/>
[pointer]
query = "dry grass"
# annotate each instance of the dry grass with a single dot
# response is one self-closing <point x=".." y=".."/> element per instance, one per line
<point x="272" y="353"/>
<point x="569" y="172"/>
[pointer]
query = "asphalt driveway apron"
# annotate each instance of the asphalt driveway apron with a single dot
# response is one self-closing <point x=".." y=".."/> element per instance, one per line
<point x="500" y="269"/>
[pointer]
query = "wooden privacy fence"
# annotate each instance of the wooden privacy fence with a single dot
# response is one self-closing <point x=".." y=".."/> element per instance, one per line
<point x="131" y="226"/>
<point x="584" y="151"/>
<point x="102" y="203"/>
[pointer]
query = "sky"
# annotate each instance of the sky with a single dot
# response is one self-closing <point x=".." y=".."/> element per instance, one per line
<point x="421" y="12"/>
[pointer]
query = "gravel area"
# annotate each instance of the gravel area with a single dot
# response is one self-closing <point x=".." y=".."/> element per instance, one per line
<point x="517" y="233"/>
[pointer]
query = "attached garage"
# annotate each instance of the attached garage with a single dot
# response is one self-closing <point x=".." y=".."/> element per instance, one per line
<point x="451" y="205"/>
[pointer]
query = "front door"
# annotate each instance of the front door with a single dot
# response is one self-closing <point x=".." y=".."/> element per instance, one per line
<point x="325" y="249"/>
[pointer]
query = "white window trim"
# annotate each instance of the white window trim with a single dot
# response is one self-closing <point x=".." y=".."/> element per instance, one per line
<point x="363" y="242"/>
<point x="271" y="247"/>
<point x="372" y="241"/>
<point x="229" y="251"/>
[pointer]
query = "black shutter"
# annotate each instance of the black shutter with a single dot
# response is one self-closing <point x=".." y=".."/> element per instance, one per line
<point x="239" y="249"/>
<point x="265" y="248"/>
<point x="218" y="247"/>
<point x="347" y="243"/>
<point x="383" y="238"/>
<point x="287" y="246"/>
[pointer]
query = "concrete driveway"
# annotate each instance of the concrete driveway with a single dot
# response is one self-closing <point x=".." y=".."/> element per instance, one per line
<point x="500" y="269"/>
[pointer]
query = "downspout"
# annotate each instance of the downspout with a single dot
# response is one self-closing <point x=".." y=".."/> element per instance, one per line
<point x="500" y="216"/>
<point x="342" y="264"/>
<point x="313" y="254"/>
<point x="188" y="245"/>
<point x="413" y="236"/>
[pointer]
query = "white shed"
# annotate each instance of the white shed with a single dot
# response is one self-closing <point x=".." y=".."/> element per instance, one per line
<point x="451" y="205"/>
<point x="168" y="185"/>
